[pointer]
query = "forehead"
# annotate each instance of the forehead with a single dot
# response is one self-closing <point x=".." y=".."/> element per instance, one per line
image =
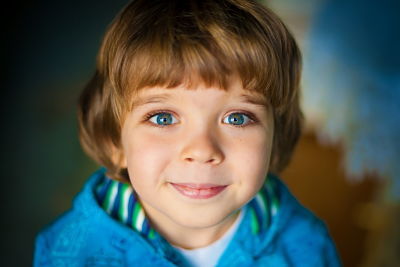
<point x="235" y="92"/>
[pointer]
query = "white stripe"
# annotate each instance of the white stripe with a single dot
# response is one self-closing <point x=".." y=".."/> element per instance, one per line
<point x="274" y="208"/>
<point x="113" y="194"/>
<point x="262" y="205"/>
<point x="125" y="202"/>
<point x="140" y="220"/>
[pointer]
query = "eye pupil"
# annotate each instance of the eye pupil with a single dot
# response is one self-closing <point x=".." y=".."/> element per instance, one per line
<point x="236" y="119"/>
<point x="164" y="119"/>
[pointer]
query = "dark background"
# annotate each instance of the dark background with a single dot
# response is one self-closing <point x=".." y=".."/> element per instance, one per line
<point x="48" y="53"/>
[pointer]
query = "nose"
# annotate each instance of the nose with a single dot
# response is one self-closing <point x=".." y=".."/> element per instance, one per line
<point x="202" y="148"/>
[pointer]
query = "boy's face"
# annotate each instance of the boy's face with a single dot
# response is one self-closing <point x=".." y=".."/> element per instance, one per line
<point x="195" y="157"/>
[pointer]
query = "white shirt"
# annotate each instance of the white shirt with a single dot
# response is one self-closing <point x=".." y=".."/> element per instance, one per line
<point x="208" y="256"/>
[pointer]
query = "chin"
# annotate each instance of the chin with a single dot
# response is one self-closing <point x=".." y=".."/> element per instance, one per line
<point x="197" y="221"/>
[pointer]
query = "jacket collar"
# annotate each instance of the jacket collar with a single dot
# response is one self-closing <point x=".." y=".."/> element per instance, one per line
<point x="120" y="202"/>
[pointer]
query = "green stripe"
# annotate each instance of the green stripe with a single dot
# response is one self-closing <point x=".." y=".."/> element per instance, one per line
<point x="136" y="211"/>
<point x="152" y="233"/>
<point x="107" y="199"/>
<point x="255" y="226"/>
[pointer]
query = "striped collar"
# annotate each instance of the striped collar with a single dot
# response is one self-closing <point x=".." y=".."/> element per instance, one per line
<point x="120" y="202"/>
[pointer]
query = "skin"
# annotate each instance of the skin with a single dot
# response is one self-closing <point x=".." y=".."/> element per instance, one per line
<point x="199" y="145"/>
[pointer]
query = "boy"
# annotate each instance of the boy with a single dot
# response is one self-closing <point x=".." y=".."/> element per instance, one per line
<point x="192" y="107"/>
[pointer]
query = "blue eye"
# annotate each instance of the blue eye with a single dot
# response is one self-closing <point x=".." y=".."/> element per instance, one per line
<point x="238" y="119"/>
<point x="163" y="119"/>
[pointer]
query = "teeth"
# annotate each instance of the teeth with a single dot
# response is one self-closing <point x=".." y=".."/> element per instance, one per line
<point x="206" y="192"/>
<point x="196" y="191"/>
<point x="192" y="192"/>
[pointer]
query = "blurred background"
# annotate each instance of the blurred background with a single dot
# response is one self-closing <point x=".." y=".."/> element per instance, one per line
<point x="344" y="169"/>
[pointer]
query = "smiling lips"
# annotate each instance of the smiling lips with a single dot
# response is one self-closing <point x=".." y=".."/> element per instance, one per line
<point x="199" y="191"/>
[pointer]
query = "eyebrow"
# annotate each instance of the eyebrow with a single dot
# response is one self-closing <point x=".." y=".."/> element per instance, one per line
<point x="152" y="99"/>
<point x="255" y="100"/>
<point x="160" y="98"/>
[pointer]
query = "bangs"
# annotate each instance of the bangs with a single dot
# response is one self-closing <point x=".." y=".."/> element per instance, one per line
<point x="189" y="48"/>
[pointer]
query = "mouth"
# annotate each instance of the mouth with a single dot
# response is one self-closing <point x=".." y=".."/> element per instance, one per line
<point x="198" y="191"/>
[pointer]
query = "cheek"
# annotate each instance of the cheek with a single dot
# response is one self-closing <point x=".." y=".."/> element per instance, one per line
<point x="146" y="155"/>
<point x="251" y="156"/>
<point x="252" y="148"/>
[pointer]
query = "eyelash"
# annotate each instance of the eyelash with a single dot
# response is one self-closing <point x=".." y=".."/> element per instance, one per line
<point x="147" y="117"/>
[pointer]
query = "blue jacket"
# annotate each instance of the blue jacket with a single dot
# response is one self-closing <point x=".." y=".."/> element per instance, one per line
<point x="87" y="236"/>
